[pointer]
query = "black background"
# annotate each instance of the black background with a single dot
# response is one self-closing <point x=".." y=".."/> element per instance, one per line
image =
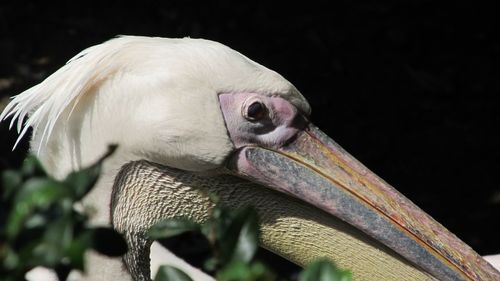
<point x="410" y="88"/>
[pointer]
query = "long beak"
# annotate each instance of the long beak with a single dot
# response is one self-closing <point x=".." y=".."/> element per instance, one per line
<point x="315" y="169"/>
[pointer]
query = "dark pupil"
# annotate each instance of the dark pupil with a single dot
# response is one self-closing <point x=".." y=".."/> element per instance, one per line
<point x="255" y="110"/>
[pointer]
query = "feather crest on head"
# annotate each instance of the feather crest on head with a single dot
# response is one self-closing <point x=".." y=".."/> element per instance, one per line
<point x="42" y="105"/>
<point x="45" y="102"/>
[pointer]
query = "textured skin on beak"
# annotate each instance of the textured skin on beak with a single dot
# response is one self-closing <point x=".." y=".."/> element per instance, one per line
<point x="316" y="170"/>
<point x="291" y="228"/>
<point x="369" y="188"/>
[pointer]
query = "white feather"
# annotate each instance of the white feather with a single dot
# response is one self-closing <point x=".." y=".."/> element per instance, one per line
<point x="179" y="70"/>
<point x="46" y="101"/>
<point x="156" y="97"/>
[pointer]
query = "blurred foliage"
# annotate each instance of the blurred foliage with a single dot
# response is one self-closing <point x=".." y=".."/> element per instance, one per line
<point x="324" y="270"/>
<point x="170" y="273"/>
<point x="40" y="226"/>
<point x="231" y="237"/>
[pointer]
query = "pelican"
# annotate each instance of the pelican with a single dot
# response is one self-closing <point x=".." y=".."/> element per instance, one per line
<point x="193" y="117"/>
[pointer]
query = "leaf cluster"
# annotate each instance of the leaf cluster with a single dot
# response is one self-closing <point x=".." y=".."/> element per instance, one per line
<point x="39" y="223"/>
<point x="40" y="226"/>
<point x="232" y="240"/>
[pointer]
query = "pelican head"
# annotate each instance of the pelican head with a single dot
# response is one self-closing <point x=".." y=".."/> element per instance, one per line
<point x="192" y="117"/>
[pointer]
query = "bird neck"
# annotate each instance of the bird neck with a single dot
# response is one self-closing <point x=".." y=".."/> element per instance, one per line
<point x="145" y="193"/>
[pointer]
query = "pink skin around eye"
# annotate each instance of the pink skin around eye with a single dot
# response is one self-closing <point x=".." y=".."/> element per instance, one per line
<point x="272" y="134"/>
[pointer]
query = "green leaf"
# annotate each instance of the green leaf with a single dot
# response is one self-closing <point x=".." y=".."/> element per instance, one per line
<point x="34" y="193"/>
<point x="248" y="239"/>
<point x="82" y="181"/>
<point x="36" y="220"/>
<point x="172" y="227"/>
<point x="11" y="260"/>
<point x="240" y="271"/>
<point x="46" y="254"/>
<point x="32" y="167"/>
<point x="40" y="225"/>
<point x="75" y="252"/>
<point x="235" y="271"/>
<point x="210" y="264"/>
<point x="50" y="249"/>
<point x="60" y="233"/>
<point x="11" y="180"/>
<point x="170" y="273"/>
<point x="241" y="240"/>
<point x="41" y="192"/>
<point x="324" y="270"/>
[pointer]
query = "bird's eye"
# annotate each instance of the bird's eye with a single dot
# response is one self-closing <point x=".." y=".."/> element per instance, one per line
<point x="255" y="111"/>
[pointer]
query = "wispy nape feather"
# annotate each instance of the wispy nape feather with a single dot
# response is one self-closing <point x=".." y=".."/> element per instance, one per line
<point x="44" y="103"/>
